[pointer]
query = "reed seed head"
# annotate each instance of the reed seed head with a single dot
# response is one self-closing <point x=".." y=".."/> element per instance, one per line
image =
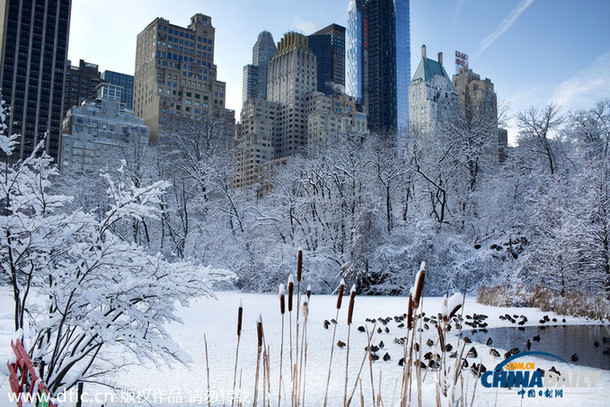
<point x="299" y="265"/>
<point x="305" y="310"/>
<point x="259" y="331"/>
<point x="290" y="292"/>
<point x="340" y="293"/>
<point x="282" y="295"/>
<point x="350" y="309"/>
<point x="410" y="312"/>
<point x="308" y="292"/>
<point x="240" y="317"/>
<point x="419" y="286"/>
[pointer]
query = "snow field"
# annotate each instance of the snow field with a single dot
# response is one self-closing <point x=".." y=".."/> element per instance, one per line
<point x="181" y="385"/>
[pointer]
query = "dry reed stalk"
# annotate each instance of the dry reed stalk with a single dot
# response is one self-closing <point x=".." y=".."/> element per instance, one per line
<point x="290" y="294"/>
<point x="299" y="276"/>
<point x="350" y="314"/>
<point x="367" y="354"/>
<point x="379" y="398"/>
<point x="303" y="363"/>
<point x="240" y="404"/>
<point x="332" y="344"/>
<point x="412" y="317"/>
<point x="240" y="315"/>
<point x="259" y="332"/>
<point x="282" y="295"/>
<point x="207" y="366"/>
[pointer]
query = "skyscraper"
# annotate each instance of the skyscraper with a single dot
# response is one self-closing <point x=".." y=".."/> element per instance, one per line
<point x="175" y="80"/>
<point x="124" y="80"/>
<point x="80" y="84"/>
<point x="255" y="74"/>
<point x="294" y="116"/>
<point x="432" y="95"/>
<point x="263" y="51"/>
<point x="378" y="54"/>
<point x="34" y="38"/>
<point x="328" y="45"/>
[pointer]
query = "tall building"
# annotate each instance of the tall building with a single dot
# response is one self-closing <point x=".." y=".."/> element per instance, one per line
<point x="293" y="116"/>
<point x="34" y="38"/>
<point x="478" y="104"/>
<point x="123" y="80"/>
<point x="96" y="132"/>
<point x="262" y="52"/>
<point x="431" y="94"/>
<point x="250" y="83"/>
<point x="291" y="75"/>
<point x="80" y="84"/>
<point x="175" y="80"/>
<point x="328" y="45"/>
<point x="255" y="74"/>
<point x="378" y="67"/>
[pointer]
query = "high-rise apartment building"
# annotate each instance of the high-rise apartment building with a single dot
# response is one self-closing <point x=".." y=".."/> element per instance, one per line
<point x="34" y="38"/>
<point x="97" y="133"/>
<point x="255" y="74"/>
<point x="476" y="97"/>
<point x="80" y="84"/>
<point x="175" y="82"/>
<point x="123" y="80"/>
<point x="431" y="94"/>
<point x="378" y="54"/>
<point x="478" y="105"/>
<point x="291" y="75"/>
<point x="328" y="45"/>
<point x="294" y="115"/>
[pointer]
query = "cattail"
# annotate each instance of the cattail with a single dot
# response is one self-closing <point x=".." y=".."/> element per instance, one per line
<point x="410" y="312"/>
<point x="299" y="265"/>
<point x="454" y="310"/>
<point x="340" y="293"/>
<point x="305" y="310"/>
<point x="419" y="284"/>
<point x="240" y="317"/>
<point x="308" y="292"/>
<point x="259" y="331"/>
<point x="282" y="295"/>
<point x="290" y="292"/>
<point x="441" y="337"/>
<point x="350" y="309"/>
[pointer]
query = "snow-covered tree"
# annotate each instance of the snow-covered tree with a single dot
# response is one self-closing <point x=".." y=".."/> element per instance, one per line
<point x="79" y="288"/>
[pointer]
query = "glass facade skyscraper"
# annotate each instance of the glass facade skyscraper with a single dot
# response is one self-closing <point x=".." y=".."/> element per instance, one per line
<point x="264" y="49"/>
<point x="379" y="61"/>
<point x="328" y="45"/>
<point x="34" y="40"/>
<point x="124" y="80"/>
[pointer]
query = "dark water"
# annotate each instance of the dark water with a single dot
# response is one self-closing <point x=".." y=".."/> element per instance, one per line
<point x="561" y="340"/>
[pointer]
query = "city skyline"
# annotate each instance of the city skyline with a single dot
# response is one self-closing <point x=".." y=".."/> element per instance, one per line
<point x="531" y="58"/>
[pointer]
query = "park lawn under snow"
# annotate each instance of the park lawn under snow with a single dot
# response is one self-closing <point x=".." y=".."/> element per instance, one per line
<point x="216" y="319"/>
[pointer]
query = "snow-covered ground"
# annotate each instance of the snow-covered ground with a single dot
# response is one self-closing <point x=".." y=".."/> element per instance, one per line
<point x="182" y="385"/>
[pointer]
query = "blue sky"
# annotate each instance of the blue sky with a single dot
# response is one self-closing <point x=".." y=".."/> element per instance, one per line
<point x="535" y="51"/>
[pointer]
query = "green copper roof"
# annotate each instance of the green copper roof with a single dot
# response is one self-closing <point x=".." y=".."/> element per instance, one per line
<point x="428" y="67"/>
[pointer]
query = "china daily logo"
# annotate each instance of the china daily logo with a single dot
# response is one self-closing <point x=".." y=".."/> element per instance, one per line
<point x="531" y="382"/>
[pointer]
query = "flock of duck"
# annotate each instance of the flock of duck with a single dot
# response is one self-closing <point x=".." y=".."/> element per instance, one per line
<point x="475" y="322"/>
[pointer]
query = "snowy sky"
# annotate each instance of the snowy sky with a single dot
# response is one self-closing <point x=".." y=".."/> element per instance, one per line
<point x="534" y="51"/>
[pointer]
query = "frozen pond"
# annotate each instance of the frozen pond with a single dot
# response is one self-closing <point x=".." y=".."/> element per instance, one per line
<point x="561" y="340"/>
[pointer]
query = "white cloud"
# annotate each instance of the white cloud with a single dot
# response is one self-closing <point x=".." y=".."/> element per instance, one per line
<point x="587" y="87"/>
<point x="504" y="26"/>
<point x="307" y="27"/>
